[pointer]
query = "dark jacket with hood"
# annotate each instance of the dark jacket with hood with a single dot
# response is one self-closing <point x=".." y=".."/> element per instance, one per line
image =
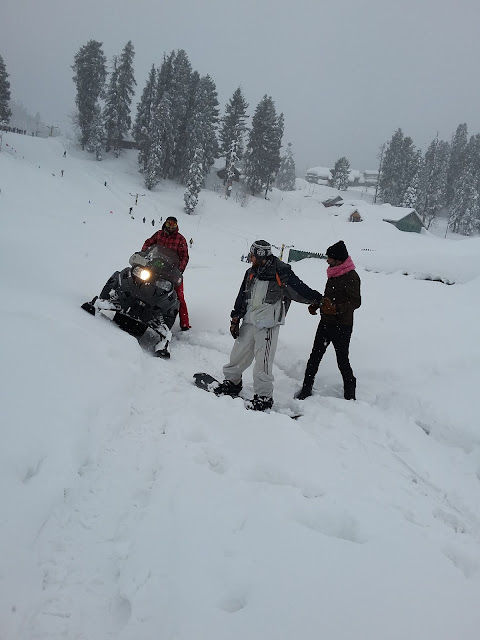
<point x="283" y="286"/>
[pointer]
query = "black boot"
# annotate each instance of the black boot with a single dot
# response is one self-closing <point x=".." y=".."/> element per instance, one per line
<point x="305" y="392"/>
<point x="228" y="388"/>
<point x="259" y="403"/>
<point x="349" y="388"/>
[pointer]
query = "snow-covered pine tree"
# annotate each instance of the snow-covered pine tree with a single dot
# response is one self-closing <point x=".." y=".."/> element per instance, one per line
<point x="340" y="174"/>
<point x="434" y="181"/>
<point x="285" y="180"/>
<point x="262" y="158"/>
<point x="409" y="164"/>
<point x="464" y="211"/>
<point x="194" y="182"/>
<point x="90" y="73"/>
<point x="110" y="110"/>
<point x="470" y="221"/>
<point x="5" y="111"/>
<point x="125" y="90"/>
<point x="188" y="137"/>
<point x="398" y="168"/>
<point x="411" y="198"/>
<point x="180" y="95"/>
<point x="165" y="75"/>
<point x="96" y="138"/>
<point x="201" y="128"/>
<point x="143" y="123"/>
<point x="279" y="137"/>
<point x="152" y="166"/>
<point x="157" y="125"/>
<point x="473" y="151"/>
<point x="389" y="178"/>
<point x="233" y="127"/>
<point x="457" y="160"/>
<point x="161" y="142"/>
<point x="231" y="168"/>
<point x="210" y="113"/>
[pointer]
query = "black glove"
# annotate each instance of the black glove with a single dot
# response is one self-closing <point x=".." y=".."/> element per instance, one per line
<point x="235" y="327"/>
<point x="313" y="308"/>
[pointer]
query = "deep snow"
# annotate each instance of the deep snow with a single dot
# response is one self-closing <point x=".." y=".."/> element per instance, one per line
<point x="135" y="506"/>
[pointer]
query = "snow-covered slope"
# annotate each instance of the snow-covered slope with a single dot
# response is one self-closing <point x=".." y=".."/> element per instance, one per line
<point x="135" y="506"/>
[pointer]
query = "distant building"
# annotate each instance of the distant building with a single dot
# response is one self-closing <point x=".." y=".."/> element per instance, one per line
<point x="128" y="142"/>
<point x="355" y="216"/>
<point x="405" y="220"/>
<point x="322" y="175"/>
<point x="354" y="177"/>
<point x="318" y="175"/>
<point x="337" y="201"/>
<point x="370" y="177"/>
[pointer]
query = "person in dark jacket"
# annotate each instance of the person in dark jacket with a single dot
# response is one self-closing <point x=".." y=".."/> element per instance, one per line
<point x="262" y="303"/>
<point x="170" y="237"/>
<point x="341" y="298"/>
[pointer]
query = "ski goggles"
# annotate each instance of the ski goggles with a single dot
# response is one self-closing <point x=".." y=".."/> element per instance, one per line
<point x="171" y="225"/>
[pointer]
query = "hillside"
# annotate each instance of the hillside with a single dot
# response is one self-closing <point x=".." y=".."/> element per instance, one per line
<point x="136" y="506"/>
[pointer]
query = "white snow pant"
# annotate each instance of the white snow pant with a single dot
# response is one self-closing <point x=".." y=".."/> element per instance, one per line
<point x="260" y="344"/>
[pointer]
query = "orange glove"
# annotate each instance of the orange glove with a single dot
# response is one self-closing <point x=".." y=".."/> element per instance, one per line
<point x="328" y="307"/>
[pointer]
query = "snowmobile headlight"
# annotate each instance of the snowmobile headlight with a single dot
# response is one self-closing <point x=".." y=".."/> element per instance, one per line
<point x="143" y="274"/>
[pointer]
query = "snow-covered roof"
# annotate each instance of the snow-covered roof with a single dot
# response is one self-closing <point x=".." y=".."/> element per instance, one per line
<point x="394" y="214"/>
<point x="354" y="173"/>
<point x="321" y="172"/>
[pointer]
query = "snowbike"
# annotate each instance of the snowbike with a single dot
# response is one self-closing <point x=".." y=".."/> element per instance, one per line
<point x="141" y="298"/>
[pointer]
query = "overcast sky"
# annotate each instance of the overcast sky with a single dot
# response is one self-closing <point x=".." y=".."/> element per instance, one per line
<point x="345" y="73"/>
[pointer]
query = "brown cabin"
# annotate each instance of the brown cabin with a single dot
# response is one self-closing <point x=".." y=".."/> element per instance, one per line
<point x="355" y="216"/>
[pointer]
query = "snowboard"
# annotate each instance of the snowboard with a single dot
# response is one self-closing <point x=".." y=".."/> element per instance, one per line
<point x="208" y="383"/>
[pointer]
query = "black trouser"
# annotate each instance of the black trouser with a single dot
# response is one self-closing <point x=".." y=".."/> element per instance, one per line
<point x="339" y="335"/>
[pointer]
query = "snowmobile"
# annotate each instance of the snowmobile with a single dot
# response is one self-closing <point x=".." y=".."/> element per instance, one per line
<point x="141" y="298"/>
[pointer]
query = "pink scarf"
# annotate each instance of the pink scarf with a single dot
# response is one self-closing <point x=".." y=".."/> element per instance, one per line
<point x="341" y="269"/>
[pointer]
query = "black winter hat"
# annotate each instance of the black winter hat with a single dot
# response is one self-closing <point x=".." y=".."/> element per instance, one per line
<point x="261" y="249"/>
<point x="338" y="251"/>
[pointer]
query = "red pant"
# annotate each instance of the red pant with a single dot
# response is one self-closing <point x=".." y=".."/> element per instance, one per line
<point x="183" y="311"/>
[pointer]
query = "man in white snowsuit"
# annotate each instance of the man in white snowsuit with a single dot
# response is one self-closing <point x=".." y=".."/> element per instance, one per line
<point x="262" y="302"/>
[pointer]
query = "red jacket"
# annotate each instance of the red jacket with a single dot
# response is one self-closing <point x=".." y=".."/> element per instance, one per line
<point x="174" y="241"/>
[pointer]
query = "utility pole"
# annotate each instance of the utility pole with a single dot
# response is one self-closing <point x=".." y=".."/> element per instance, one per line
<point x="382" y="149"/>
<point x="51" y="127"/>
<point x="136" y="196"/>
<point x="285" y="246"/>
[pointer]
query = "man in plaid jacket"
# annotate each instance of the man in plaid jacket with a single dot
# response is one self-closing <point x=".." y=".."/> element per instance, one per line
<point x="170" y="237"/>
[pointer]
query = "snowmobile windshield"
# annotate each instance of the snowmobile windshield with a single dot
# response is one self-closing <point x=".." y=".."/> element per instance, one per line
<point x="163" y="261"/>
